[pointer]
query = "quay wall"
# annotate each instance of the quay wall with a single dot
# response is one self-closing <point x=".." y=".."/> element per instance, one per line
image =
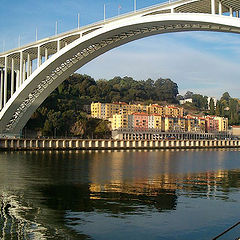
<point x="109" y="144"/>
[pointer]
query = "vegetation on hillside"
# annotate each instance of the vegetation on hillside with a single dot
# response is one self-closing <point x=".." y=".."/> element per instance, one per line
<point x="63" y="112"/>
<point x="226" y="107"/>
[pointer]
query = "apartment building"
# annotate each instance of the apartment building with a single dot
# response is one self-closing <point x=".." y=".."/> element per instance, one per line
<point x="153" y="116"/>
<point x="107" y="110"/>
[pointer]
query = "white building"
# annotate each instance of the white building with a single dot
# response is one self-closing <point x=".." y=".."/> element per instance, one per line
<point x="185" y="101"/>
<point x="214" y="100"/>
<point x="150" y="121"/>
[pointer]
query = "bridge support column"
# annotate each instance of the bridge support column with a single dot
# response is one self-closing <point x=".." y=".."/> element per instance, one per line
<point x="12" y="77"/>
<point x="58" y="45"/>
<point x="21" y="68"/>
<point x="1" y="89"/>
<point x="28" y="65"/>
<point x="46" y="54"/>
<point x="39" y="57"/>
<point x="5" y="80"/>
<point x="213" y="10"/>
<point x="220" y="8"/>
<point x="31" y="67"/>
<point x="237" y="14"/>
<point x="24" y="70"/>
<point x="17" y="79"/>
<point x="231" y="12"/>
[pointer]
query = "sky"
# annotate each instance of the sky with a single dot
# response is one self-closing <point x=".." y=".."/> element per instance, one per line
<point x="202" y="62"/>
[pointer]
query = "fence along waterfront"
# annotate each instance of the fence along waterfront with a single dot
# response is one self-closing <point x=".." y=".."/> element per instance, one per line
<point x="107" y="144"/>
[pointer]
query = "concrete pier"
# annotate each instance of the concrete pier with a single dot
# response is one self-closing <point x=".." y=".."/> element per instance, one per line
<point x="109" y="144"/>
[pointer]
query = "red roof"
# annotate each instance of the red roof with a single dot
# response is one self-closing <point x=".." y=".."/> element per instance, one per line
<point x="141" y="113"/>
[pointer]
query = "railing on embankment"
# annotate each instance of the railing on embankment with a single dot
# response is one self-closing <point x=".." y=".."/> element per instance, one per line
<point x="103" y="144"/>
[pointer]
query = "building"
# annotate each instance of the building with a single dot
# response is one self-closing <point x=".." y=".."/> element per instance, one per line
<point x="172" y="111"/>
<point x="150" y="121"/>
<point x="119" y="121"/>
<point x="214" y="100"/>
<point x="222" y="124"/>
<point x="212" y="124"/>
<point x="236" y="131"/>
<point x="107" y="110"/>
<point x="158" y="122"/>
<point x="137" y="117"/>
<point x="189" y="100"/>
<point x="155" y="109"/>
<point x="192" y="124"/>
<point x="140" y="121"/>
<point x="181" y="124"/>
<point x="202" y="124"/>
<point x="97" y="110"/>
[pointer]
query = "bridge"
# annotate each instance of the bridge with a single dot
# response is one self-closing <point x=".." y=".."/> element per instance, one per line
<point x="28" y="74"/>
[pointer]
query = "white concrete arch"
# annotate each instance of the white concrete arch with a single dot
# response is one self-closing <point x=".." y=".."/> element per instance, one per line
<point x="78" y="51"/>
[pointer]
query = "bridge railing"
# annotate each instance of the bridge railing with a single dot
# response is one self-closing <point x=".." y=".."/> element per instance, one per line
<point x="91" y="25"/>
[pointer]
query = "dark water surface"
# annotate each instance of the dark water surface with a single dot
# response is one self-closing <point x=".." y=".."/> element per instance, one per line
<point x="184" y="195"/>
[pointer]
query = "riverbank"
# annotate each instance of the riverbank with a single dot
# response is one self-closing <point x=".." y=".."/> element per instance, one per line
<point x="109" y="144"/>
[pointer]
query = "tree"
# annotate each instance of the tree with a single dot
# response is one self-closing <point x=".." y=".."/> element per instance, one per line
<point x="218" y="111"/>
<point x="225" y="97"/>
<point x="200" y="101"/>
<point x="166" y="90"/>
<point x="62" y="111"/>
<point x="79" y="128"/>
<point x="188" y="94"/>
<point x="212" y="107"/>
<point x="102" y="130"/>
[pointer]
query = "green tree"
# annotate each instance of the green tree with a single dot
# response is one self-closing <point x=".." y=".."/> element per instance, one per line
<point x="102" y="130"/>
<point x="212" y="107"/>
<point x="225" y="97"/>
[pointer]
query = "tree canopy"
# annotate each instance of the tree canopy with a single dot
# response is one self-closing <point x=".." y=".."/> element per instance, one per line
<point x="62" y="113"/>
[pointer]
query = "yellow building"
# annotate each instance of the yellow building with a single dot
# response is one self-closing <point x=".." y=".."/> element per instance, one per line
<point x="191" y="124"/>
<point x="168" y="124"/>
<point x="119" y="121"/>
<point x="202" y="124"/>
<point x="97" y="111"/>
<point x="181" y="124"/>
<point x="154" y="109"/>
<point x="222" y="124"/>
<point x="107" y="110"/>
<point x="157" y="121"/>
<point x="173" y="111"/>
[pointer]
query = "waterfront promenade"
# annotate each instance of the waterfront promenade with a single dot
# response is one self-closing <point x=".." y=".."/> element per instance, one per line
<point x="109" y="144"/>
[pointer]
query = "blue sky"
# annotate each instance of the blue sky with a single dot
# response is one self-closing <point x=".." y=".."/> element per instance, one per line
<point x="206" y="63"/>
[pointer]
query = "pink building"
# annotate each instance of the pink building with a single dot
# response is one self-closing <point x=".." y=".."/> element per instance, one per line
<point x="140" y="121"/>
<point x="212" y="125"/>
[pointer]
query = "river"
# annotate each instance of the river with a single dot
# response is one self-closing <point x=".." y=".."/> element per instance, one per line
<point x="170" y="194"/>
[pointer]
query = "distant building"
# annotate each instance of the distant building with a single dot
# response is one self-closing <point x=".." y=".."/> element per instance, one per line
<point x="107" y="110"/>
<point x="185" y="101"/>
<point x="214" y="100"/>
<point x="173" y="111"/>
<point x="137" y="117"/>
<point x="140" y="121"/>
<point x="119" y="121"/>
<point x="236" y="131"/>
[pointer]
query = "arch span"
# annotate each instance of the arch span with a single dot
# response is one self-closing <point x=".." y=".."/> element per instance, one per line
<point x="37" y="87"/>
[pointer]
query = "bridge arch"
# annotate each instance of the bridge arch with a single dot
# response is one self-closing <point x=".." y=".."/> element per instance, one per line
<point x="82" y="47"/>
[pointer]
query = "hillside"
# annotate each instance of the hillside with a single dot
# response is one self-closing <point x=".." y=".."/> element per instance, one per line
<point x="63" y="113"/>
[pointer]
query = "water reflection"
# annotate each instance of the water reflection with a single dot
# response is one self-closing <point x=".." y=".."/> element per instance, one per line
<point x="46" y="195"/>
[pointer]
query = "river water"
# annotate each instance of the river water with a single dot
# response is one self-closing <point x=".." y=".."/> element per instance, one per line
<point x="170" y="194"/>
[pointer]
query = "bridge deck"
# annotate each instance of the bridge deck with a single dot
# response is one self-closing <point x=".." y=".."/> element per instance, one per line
<point x="175" y="6"/>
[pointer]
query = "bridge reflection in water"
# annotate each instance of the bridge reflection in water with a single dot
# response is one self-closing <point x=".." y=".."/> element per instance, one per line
<point x="53" y="194"/>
